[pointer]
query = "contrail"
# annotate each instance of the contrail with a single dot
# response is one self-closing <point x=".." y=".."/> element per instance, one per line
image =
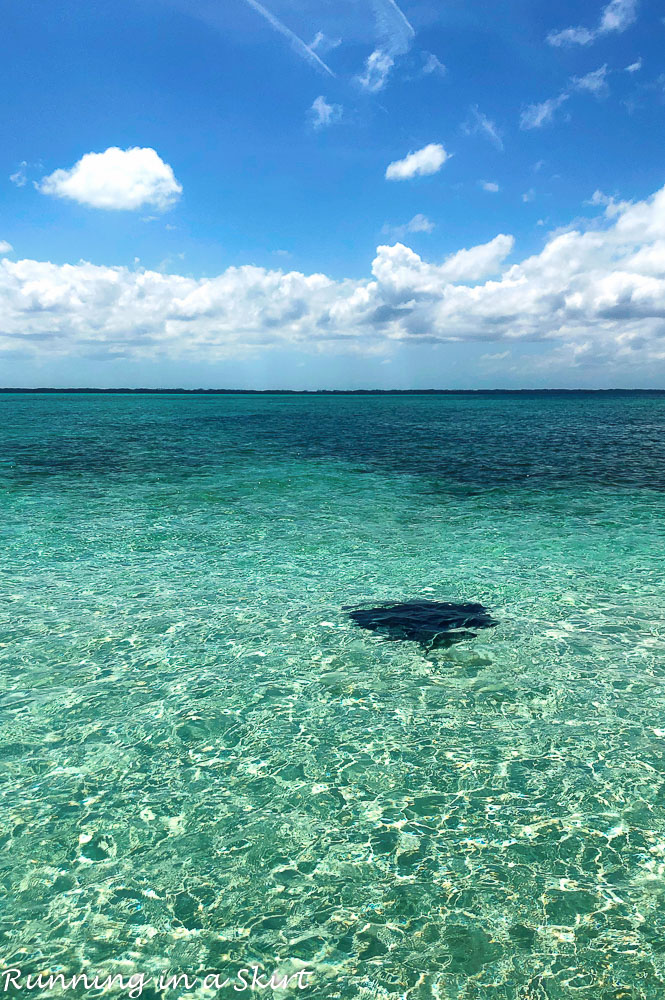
<point x="296" y="42"/>
<point x="402" y="15"/>
<point x="394" y="26"/>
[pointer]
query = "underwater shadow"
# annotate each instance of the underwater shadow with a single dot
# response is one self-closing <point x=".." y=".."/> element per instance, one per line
<point x="432" y="624"/>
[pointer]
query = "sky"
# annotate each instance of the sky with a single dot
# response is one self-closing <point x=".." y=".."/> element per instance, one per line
<point x="333" y="194"/>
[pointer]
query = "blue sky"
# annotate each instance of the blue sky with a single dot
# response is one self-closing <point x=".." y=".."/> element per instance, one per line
<point x="226" y="231"/>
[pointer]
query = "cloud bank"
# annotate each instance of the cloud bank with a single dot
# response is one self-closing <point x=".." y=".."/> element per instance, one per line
<point x="596" y="294"/>
<point x="116" y="179"/>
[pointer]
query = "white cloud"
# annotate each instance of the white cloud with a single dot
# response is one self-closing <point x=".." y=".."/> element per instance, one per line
<point x="322" y="43"/>
<point x="480" y="124"/>
<point x="427" y="160"/>
<point x="400" y="270"/>
<point x="616" y="16"/>
<point x="5" y="247"/>
<point x="598" y="198"/>
<point x="433" y="65"/>
<point x="377" y="71"/>
<point x="396" y="35"/>
<point x="596" y="293"/>
<point x="418" y="224"/>
<point x="528" y="195"/>
<point x="323" y="114"/>
<point x="489" y="186"/>
<point x="116" y="179"/>
<point x="634" y="67"/>
<point x="537" y="115"/>
<point x="593" y="83"/>
<point x="20" y="177"/>
<point x="571" y="36"/>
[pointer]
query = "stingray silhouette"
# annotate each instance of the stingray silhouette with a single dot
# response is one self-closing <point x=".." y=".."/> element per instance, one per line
<point x="433" y="624"/>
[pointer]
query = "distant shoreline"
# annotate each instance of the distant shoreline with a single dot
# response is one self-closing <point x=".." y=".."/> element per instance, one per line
<point x="332" y="392"/>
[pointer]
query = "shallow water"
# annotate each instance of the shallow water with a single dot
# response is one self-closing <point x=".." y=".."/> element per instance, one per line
<point x="206" y="764"/>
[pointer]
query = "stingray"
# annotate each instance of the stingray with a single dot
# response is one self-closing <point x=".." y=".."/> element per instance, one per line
<point x="433" y="624"/>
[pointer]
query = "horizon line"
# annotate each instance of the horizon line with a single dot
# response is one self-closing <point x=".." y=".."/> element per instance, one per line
<point x="145" y="390"/>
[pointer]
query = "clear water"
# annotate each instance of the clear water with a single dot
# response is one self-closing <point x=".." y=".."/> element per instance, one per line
<point x="205" y="764"/>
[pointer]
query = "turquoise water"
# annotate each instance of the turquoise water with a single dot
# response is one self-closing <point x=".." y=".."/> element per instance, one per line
<point x="205" y="764"/>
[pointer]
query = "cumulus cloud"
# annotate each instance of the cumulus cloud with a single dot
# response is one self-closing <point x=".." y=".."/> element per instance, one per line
<point x="491" y="186"/>
<point x="596" y="293"/>
<point x="5" y="247"/>
<point x="323" y="114"/>
<point x="427" y="160"/>
<point x="400" y="271"/>
<point x="116" y="179"/>
<point x="616" y="16"/>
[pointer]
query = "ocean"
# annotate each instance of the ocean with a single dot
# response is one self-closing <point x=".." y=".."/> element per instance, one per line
<point x="208" y="764"/>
